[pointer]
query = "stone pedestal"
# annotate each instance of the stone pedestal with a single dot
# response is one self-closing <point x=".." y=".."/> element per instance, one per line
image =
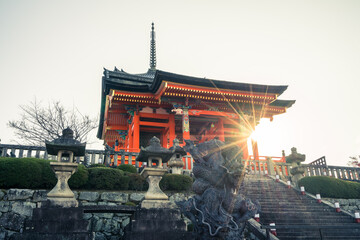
<point x="297" y="173"/>
<point x="155" y="197"/>
<point x="61" y="195"/>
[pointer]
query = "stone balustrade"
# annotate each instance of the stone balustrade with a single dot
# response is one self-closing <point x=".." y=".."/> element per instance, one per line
<point x="91" y="156"/>
<point x="283" y="169"/>
<point x="347" y="173"/>
<point x="268" y="166"/>
<point x="259" y="166"/>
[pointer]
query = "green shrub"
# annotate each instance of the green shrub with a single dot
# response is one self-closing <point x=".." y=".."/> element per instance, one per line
<point x="127" y="168"/>
<point x="26" y="173"/>
<point x="176" y="182"/>
<point x="107" y="179"/>
<point x="331" y="187"/>
<point x="137" y="182"/>
<point x="79" y="178"/>
<point x="97" y="165"/>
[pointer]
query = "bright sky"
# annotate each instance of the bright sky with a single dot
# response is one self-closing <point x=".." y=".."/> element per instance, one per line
<point x="56" y="50"/>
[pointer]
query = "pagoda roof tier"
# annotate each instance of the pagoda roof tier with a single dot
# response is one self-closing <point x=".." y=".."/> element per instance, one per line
<point x="151" y="82"/>
<point x="161" y="76"/>
<point x="282" y="103"/>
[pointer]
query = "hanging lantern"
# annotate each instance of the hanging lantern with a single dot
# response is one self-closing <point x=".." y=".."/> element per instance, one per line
<point x="289" y="184"/>
<point x="277" y="178"/>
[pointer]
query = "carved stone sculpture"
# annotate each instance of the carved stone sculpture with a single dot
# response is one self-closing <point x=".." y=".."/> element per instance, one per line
<point x="297" y="171"/>
<point x="219" y="210"/>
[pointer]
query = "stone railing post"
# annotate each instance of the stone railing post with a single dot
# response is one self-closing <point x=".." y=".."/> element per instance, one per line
<point x="115" y="159"/>
<point x="270" y="166"/>
<point x="4" y="151"/>
<point x="21" y="153"/>
<point x="29" y="153"/>
<point x="122" y="157"/>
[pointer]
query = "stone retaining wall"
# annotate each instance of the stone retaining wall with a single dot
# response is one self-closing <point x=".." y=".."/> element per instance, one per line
<point x="16" y="206"/>
<point x="350" y="205"/>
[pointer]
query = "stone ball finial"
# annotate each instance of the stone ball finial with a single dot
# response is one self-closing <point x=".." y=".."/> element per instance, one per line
<point x="154" y="140"/>
<point x="68" y="133"/>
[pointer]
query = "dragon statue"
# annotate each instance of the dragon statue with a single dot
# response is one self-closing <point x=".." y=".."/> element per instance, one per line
<point x="218" y="210"/>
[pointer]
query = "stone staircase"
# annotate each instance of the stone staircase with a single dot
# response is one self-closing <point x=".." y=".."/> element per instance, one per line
<point x="297" y="216"/>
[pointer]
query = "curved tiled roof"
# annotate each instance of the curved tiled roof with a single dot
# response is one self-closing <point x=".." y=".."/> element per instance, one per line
<point x="151" y="80"/>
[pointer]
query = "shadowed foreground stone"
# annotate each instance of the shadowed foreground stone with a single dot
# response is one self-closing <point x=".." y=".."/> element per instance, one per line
<point x="12" y="221"/>
<point x="55" y="223"/>
<point x="157" y="224"/>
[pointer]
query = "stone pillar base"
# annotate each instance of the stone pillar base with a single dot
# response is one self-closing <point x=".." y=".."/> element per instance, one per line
<point x="61" y="195"/>
<point x="62" y="202"/>
<point x="148" y="204"/>
<point x="153" y="177"/>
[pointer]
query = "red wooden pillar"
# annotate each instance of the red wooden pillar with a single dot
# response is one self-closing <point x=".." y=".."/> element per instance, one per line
<point x="245" y="148"/>
<point x="220" y="130"/>
<point x="255" y="149"/>
<point x="171" y="129"/>
<point x="130" y="136"/>
<point x="136" y="131"/>
<point x="186" y="124"/>
<point x="164" y="138"/>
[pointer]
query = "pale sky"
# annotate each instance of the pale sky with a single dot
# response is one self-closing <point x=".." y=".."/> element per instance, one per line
<point x="56" y="50"/>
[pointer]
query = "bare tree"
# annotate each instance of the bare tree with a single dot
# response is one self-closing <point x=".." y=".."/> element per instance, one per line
<point x="354" y="161"/>
<point x="39" y="123"/>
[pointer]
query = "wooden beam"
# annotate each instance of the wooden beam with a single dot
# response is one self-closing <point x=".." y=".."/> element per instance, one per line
<point x="154" y="115"/>
<point x="154" y="124"/>
<point x="195" y="112"/>
<point x="117" y="127"/>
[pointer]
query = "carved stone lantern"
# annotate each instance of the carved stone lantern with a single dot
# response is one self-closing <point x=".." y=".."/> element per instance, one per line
<point x="66" y="148"/>
<point x="154" y="155"/>
<point x="176" y="163"/>
<point x="296" y="170"/>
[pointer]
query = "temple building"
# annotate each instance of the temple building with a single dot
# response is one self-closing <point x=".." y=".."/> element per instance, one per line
<point x="136" y="107"/>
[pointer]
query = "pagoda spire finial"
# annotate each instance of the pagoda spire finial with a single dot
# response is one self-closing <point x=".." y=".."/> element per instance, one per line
<point x="152" y="49"/>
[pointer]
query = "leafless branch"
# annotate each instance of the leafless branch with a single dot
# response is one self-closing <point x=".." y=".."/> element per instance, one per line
<point x="38" y="123"/>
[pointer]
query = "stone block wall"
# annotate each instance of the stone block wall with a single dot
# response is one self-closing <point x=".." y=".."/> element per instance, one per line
<point x="16" y="207"/>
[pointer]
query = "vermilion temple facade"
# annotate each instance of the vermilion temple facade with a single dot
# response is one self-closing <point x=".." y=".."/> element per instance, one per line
<point x="136" y="107"/>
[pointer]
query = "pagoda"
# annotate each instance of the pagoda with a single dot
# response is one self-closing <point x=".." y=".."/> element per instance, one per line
<point x="136" y="107"/>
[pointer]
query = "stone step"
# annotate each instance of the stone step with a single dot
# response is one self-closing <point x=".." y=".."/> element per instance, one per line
<point x="267" y="221"/>
<point x="286" y="206"/>
<point x="290" y="211"/>
<point x="313" y="205"/>
<point x="285" y="237"/>
<point x="328" y="232"/>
